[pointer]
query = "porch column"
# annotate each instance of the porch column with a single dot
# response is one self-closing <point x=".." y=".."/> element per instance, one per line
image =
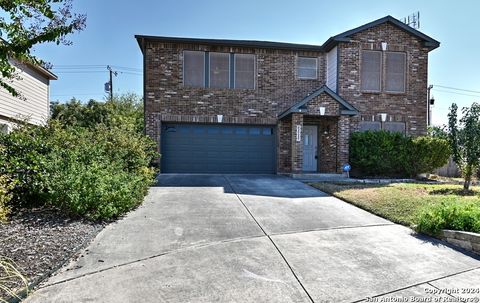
<point x="297" y="143"/>
<point x="343" y="141"/>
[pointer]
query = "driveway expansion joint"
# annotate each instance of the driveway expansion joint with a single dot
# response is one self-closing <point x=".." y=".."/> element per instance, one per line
<point x="271" y="240"/>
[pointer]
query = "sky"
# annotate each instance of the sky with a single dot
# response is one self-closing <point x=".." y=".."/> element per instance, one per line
<point x="111" y="25"/>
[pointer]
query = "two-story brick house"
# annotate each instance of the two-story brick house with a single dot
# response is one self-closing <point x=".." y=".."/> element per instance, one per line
<point x="236" y="106"/>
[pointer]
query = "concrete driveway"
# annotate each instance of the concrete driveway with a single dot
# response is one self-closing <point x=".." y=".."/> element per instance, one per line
<point x="214" y="238"/>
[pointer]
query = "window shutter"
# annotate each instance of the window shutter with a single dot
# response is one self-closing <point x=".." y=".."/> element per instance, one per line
<point x="219" y="70"/>
<point x="395" y="72"/>
<point x="371" y="70"/>
<point x="194" y="68"/>
<point x="244" y="71"/>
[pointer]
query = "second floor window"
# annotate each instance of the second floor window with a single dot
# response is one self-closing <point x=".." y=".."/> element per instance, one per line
<point x="306" y="68"/>
<point x="374" y="77"/>
<point x="218" y="70"/>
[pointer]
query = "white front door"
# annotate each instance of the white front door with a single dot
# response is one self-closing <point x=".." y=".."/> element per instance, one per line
<point x="309" y="148"/>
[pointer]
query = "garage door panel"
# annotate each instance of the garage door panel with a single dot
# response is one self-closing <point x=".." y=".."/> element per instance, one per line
<point x="196" y="148"/>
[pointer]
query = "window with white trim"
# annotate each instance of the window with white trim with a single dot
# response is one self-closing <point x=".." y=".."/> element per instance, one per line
<point x="307" y="68"/>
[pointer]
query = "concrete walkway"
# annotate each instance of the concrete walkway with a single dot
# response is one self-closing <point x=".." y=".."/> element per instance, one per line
<point x="214" y="238"/>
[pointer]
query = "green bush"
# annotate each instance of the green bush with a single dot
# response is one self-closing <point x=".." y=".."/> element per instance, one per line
<point x="92" y="160"/>
<point x="391" y="154"/>
<point x="100" y="173"/>
<point x="5" y="196"/>
<point x="426" y="154"/>
<point x="449" y="215"/>
<point x="378" y="153"/>
<point x="23" y="158"/>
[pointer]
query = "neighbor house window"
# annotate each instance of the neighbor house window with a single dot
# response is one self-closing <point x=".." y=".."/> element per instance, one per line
<point x="220" y="70"/>
<point x="371" y="71"/>
<point x="194" y="68"/>
<point x="244" y="71"/>
<point x="306" y="68"/>
<point x="395" y="67"/>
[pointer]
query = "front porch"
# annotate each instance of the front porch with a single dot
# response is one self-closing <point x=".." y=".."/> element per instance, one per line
<point x="314" y="133"/>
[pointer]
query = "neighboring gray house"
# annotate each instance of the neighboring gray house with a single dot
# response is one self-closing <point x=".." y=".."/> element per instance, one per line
<point x="33" y="83"/>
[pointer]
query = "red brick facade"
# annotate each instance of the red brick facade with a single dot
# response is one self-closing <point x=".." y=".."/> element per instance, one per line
<point x="277" y="88"/>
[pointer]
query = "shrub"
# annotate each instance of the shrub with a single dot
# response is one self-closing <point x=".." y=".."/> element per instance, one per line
<point x="449" y="215"/>
<point x="99" y="173"/>
<point x="23" y="158"/>
<point x="427" y="153"/>
<point x="5" y="196"/>
<point x="390" y="154"/>
<point x="378" y="153"/>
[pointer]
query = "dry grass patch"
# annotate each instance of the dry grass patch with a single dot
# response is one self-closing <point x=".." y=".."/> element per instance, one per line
<point x="399" y="202"/>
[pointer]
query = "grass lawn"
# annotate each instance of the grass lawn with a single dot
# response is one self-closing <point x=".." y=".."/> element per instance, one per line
<point x="398" y="202"/>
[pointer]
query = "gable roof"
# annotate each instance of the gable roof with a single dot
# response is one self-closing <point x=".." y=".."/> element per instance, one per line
<point x="345" y="36"/>
<point x="296" y="108"/>
<point x="328" y="45"/>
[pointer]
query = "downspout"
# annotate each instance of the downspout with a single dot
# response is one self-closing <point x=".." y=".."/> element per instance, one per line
<point x="144" y="88"/>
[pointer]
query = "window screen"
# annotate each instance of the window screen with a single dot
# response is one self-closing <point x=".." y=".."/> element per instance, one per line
<point x="395" y="72"/>
<point x="369" y="125"/>
<point x="371" y="70"/>
<point x="194" y="68"/>
<point x="244" y="71"/>
<point x="306" y="68"/>
<point x="219" y="70"/>
<point x="395" y="127"/>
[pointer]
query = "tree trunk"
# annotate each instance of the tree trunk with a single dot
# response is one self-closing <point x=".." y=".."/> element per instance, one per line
<point x="468" y="179"/>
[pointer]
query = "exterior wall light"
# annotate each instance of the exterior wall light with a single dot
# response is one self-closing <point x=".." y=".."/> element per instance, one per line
<point x="219" y="118"/>
<point x="384" y="46"/>
<point x="322" y="110"/>
<point x="383" y="116"/>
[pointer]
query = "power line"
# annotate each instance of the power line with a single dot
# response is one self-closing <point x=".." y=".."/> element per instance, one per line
<point x="454" y="93"/>
<point x="459" y="89"/>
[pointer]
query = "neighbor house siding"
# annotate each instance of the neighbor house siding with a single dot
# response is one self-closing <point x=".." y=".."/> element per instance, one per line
<point x="34" y="102"/>
<point x="331" y="69"/>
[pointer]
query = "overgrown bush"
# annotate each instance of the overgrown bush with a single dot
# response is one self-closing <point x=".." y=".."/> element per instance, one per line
<point x="94" y="162"/>
<point x="391" y="154"/>
<point x="449" y="215"/>
<point x="100" y="172"/>
<point x="426" y="154"/>
<point x="23" y="158"/>
<point x="5" y="196"/>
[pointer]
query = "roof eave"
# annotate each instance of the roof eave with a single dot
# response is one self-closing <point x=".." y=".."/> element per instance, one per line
<point x="233" y="43"/>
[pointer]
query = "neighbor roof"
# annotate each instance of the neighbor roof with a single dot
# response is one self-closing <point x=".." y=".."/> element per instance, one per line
<point x="345" y="36"/>
<point x="328" y="45"/>
<point x="297" y="107"/>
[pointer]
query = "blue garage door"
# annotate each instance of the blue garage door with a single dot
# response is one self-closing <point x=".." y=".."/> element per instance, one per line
<point x="201" y="148"/>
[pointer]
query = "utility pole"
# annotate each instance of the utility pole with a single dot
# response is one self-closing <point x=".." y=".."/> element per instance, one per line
<point x="429" y="103"/>
<point x="110" y="83"/>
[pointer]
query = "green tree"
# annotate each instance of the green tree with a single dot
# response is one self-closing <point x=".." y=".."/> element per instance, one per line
<point x="124" y="111"/>
<point x="27" y="23"/>
<point x="464" y="138"/>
